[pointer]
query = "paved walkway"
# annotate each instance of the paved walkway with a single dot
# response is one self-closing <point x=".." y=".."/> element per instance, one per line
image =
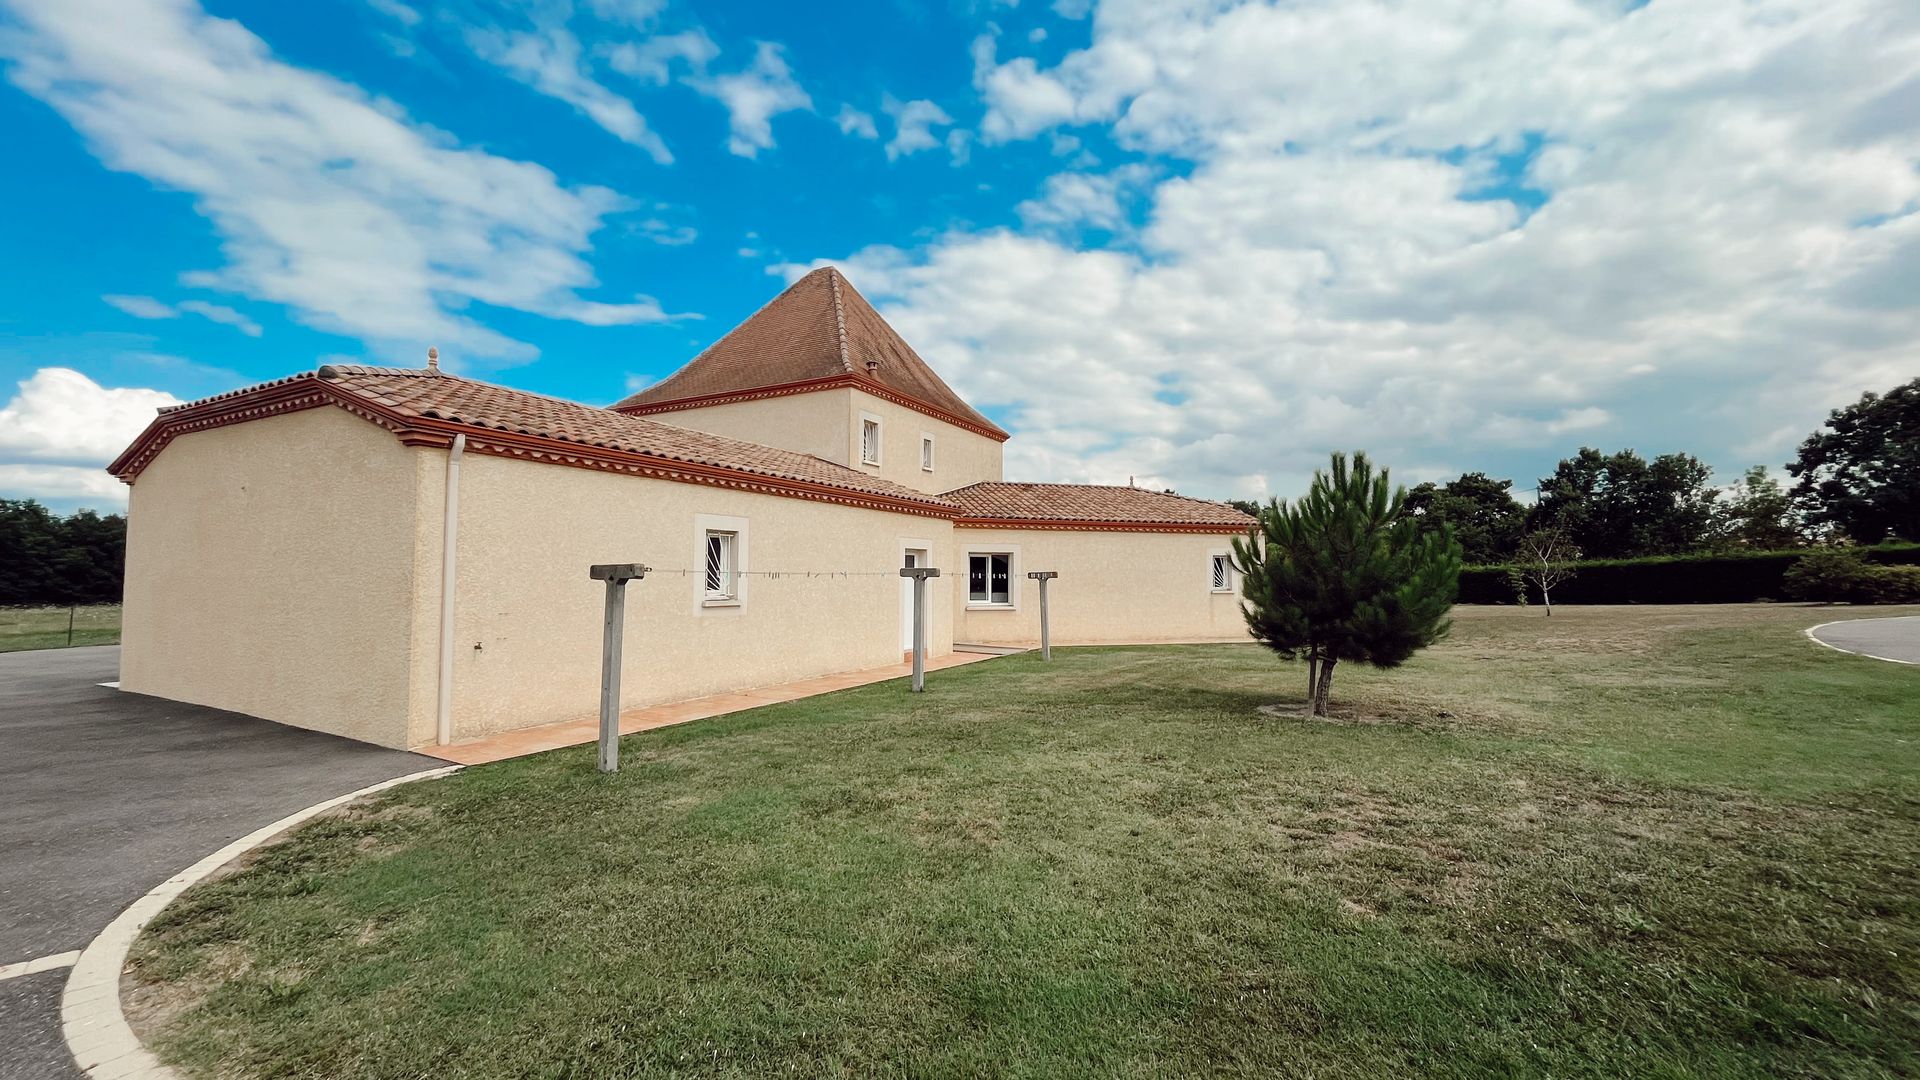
<point x="1896" y="639"/>
<point x="513" y="744"/>
<point x="104" y="795"/>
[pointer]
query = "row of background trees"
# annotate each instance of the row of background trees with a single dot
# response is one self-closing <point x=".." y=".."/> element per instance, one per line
<point x="49" y="559"/>
<point x="1857" y="479"/>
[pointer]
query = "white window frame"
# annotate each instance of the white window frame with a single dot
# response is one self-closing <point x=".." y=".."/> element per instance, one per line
<point x="1232" y="583"/>
<point x="1012" y="552"/>
<point x="708" y="525"/>
<point x="879" y="438"/>
<point x="926" y="451"/>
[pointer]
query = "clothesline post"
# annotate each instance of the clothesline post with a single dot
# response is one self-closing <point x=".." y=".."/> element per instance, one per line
<point x="616" y="575"/>
<point x="919" y="574"/>
<point x="1046" y="639"/>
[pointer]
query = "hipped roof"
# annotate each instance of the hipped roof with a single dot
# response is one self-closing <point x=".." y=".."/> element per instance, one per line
<point x="819" y="331"/>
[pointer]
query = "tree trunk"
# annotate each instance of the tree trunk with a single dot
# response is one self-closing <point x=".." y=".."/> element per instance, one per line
<point x="1546" y="598"/>
<point x="1313" y="678"/>
<point x="1326" y="687"/>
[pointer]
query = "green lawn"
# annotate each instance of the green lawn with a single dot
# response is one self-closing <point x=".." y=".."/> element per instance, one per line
<point x="1621" y="841"/>
<point x="24" y="628"/>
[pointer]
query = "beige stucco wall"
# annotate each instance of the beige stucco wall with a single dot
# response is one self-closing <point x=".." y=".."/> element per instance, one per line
<point x="960" y="457"/>
<point x="826" y="423"/>
<point x="1113" y="587"/>
<point x="270" y="572"/>
<point x="815" y="423"/>
<point x="528" y="532"/>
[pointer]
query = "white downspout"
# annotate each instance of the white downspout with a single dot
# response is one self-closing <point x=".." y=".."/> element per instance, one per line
<point x="449" y="540"/>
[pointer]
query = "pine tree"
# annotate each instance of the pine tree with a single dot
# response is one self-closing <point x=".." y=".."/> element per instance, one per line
<point x="1345" y="574"/>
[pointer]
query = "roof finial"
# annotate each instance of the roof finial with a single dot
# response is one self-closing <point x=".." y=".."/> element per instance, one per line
<point x="433" y="358"/>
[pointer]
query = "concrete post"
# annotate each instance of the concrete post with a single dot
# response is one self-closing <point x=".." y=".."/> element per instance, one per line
<point x="616" y="575"/>
<point x="919" y="574"/>
<point x="1046" y="637"/>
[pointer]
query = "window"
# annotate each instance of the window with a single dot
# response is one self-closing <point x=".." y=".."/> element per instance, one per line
<point x="989" y="578"/>
<point x="869" y="440"/>
<point x="926" y="453"/>
<point x="1222" y="573"/>
<point x="722" y="565"/>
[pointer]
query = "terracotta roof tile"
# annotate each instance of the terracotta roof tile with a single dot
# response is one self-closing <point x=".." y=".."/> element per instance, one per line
<point x="1091" y="503"/>
<point x="485" y="405"/>
<point x="819" y="328"/>
<point x="451" y="399"/>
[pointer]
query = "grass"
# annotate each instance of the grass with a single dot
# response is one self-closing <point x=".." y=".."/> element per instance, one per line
<point x="23" y="628"/>
<point x="1622" y="841"/>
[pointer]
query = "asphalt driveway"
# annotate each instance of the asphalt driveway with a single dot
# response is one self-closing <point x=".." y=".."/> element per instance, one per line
<point x="104" y="795"/>
<point x="1883" y="639"/>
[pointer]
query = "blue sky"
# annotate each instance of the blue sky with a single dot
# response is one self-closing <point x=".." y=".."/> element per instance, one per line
<point x="1200" y="244"/>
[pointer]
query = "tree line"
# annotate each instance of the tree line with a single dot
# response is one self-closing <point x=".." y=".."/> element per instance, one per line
<point x="1857" y="479"/>
<point x="49" y="559"/>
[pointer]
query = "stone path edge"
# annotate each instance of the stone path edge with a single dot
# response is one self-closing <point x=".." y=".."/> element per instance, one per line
<point x="1815" y="638"/>
<point x="91" y="1020"/>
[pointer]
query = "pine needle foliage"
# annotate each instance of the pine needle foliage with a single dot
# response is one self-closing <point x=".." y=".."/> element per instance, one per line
<point x="1346" y="574"/>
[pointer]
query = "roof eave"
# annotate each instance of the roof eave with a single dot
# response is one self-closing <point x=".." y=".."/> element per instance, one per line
<point x="307" y="391"/>
<point x="853" y="380"/>
<point x="1099" y="525"/>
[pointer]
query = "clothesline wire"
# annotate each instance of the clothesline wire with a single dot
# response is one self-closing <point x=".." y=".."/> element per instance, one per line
<point x="782" y="573"/>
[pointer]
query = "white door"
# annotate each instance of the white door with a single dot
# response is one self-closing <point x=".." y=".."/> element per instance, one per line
<point x="913" y="558"/>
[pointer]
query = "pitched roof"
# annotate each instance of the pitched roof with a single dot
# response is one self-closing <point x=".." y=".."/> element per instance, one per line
<point x="820" y="330"/>
<point x="429" y="407"/>
<point x="1086" y="506"/>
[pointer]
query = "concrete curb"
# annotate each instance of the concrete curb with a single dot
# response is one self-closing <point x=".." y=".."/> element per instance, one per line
<point x="1816" y="639"/>
<point x="91" y="1020"/>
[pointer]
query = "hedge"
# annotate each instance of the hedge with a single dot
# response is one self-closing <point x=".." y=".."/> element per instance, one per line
<point x="1719" y="578"/>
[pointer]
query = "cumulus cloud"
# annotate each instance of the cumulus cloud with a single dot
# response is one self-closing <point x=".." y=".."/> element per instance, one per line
<point x="753" y="96"/>
<point x="59" y="419"/>
<point x="1460" y="234"/>
<point x="913" y="124"/>
<point x="1071" y="200"/>
<point x="327" y="200"/>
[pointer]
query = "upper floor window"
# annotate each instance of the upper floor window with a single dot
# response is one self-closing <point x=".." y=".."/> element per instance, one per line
<point x="869" y="440"/>
<point x="926" y="453"/>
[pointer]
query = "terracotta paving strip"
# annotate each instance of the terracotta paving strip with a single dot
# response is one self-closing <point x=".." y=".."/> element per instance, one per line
<point x="512" y="744"/>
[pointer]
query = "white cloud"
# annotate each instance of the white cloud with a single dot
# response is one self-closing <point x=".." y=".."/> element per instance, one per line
<point x="1075" y="199"/>
<point x="1021" y="100"/>
<point x="548" y="58"/>
<point x="61" y="483"/>
<point x="59" y="417"/>
<point x="754" y="96"/>
<point x="655" y="59"/>
<point x="636" y="13"/>
<point x="141" y="307"/>
<point x="223" y="315"/>
<point x="326" y="200"/>
<point x="404" y="14"/>
<point x="1459" y="234"/>
<point x="146" y="307"/>
<point x="913" y="124"/>
<point x="854" y="122"/>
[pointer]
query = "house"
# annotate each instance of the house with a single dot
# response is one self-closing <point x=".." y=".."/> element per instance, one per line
<point x="400" y="555"/>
